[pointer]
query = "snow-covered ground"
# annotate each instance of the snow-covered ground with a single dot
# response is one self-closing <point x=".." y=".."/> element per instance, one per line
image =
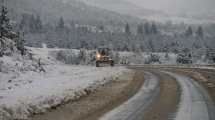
<point x="145" y="58"/>
<point x="72" y="56"/>
<point x="25" y="89"/>
<point x="195" y="103"/>
<point x="134" y="107"/>
<point x="41" y="80"/>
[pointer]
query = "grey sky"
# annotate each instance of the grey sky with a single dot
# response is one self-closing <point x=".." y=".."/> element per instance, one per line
<point x="177" y="5"/>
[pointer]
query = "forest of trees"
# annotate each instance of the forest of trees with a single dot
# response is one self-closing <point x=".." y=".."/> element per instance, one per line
<point x="119" y="35"/>
<point x="145" y="36"/>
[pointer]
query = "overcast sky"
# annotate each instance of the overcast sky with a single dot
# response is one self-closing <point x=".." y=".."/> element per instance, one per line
<point x="177" y="5"/>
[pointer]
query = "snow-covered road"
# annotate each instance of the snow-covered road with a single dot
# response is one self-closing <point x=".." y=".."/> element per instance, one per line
<point x="133" y="108"/>
<point x="195" y="102"/>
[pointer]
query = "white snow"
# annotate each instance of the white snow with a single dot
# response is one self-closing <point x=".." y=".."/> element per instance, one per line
<point x="194" y="104"/>
<point x="145" y="58"/>
<point x="25" y="91"/>
<point x="134" y="107"/>
<point x="205" y="67"/>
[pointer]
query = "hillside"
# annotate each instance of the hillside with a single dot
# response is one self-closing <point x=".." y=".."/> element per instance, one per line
<point x="123" y="7"/>
<point x="75" y="10"/>
<point x="188" y="11"/>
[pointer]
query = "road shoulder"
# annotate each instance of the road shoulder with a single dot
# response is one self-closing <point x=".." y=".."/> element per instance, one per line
<point x="165" y="105"/>
<point x="94" y="105"/>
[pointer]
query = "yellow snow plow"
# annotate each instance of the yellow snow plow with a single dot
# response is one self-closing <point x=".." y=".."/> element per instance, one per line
<point x="103" y="56"/>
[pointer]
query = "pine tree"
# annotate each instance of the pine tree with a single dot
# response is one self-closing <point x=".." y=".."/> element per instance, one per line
<point x="146" y="28"/>
<point x="101" y="27"/>
<point x="154" y="28"/>
<point x="6" y="32"/>
<point x="32" y="24"/>
<point x="5" y="26"/>
<point x="189" y="32"/>
<point x="20" y="41"/>
<point x="38" y="24"/>
<point x="22" y="22"/>
<point x="151" y="45"/>
<point x="200" y="32"/>
<point x="61" y="23"/>
<point x="140" y="29"/>
<point x="127" y="29"/>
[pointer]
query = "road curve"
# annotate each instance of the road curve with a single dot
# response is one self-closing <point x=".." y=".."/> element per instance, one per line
<point x="163" y="96"/>
<point x="195" y="103"/>
<point x="133" y="108"/>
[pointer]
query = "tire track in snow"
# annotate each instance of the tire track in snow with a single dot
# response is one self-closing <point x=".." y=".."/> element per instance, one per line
<point x="195" y="102"/>
<point x="134" y="107"/>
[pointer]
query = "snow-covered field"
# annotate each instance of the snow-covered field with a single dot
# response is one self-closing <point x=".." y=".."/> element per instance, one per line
<point x="145" y="58"/>
<point x="25" y="90"/>
<point x="45" y="78"/>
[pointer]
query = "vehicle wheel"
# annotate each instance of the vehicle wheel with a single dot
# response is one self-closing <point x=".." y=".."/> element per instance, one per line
<point x="97" y="64"/>
<point x="112" y="63"/>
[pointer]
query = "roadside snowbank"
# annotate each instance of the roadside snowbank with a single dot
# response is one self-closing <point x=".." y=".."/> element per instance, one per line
<point x="25" y="90"/>
<point x="33" y="92"/>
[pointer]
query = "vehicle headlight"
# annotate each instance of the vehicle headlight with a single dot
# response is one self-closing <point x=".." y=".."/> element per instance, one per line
<point x="98" y="56"/>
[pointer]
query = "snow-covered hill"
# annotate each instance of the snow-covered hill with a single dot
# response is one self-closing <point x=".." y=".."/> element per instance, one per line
<point x="187" y="11"/>
<point x="147" y="10"/>
<point x="123" y="7"/>
<point x="75" y="10"/>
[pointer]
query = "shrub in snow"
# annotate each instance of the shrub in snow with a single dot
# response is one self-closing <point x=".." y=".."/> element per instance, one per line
<point x="61" y="56"/>
<point x="82" y="56"/>
<point x="90" y="57"/>
<point x="69" y="57"/>
<point x="76" y="57"/>
<point x="19" y="64"/>
<point x="7" y="47"/>
<point x="152" y="58"/>
<point x="167" y="56"/>
<point x="137" y="58"/>
<point x="124" y="61"/>
<point x="116" y="57"/>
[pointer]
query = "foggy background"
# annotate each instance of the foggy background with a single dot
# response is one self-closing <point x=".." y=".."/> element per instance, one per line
<point x="178" y="6"/>
<point x="123" y="25"/>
